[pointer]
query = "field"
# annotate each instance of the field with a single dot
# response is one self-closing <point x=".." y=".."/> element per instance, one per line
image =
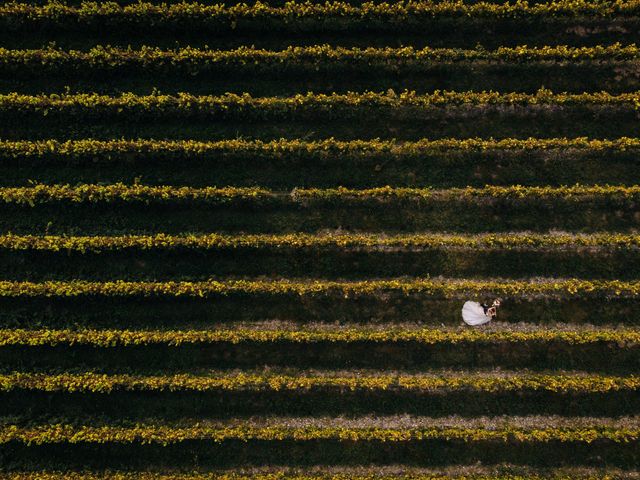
<point x="235" y="240"/>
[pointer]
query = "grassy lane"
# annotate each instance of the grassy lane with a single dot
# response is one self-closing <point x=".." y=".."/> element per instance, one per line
<point x="503" y="472"/>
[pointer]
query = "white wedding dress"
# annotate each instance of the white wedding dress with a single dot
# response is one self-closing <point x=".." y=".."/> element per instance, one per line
<point x="473" y="314"/>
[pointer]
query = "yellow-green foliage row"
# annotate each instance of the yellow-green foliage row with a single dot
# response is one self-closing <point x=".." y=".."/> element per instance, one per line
<point x="128" y="193"/>
<point x="296" y="147"/>
<point x="438" y="288"/>
<point x="500" y="382"/>
<point x="111" y="57"/>
<point x="245" y="104"/>
<point x="624" y="337"/>
<point x="144" y="193"/>
<point x="213" y="241"/>
<point x="165" y="435"/>
<point x="395" y="11"/>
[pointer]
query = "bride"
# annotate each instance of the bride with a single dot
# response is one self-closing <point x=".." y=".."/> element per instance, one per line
<point x="474" y="313"/>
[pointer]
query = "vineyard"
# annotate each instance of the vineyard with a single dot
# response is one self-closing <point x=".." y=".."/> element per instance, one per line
<point x="236" y="238"/>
